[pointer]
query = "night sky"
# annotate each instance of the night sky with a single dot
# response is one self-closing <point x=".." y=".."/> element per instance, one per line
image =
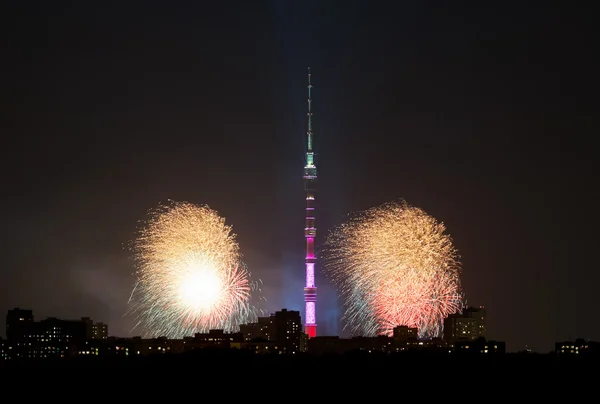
<point x="481" y="115"/>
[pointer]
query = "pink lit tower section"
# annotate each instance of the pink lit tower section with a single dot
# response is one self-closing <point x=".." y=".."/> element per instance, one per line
<point x="310" y="182"/>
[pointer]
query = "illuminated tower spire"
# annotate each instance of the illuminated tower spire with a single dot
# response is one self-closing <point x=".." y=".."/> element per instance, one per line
<point x="309" y="131"/>
<point x="310" y="231"/>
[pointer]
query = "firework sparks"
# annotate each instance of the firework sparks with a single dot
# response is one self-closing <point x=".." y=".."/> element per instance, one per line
<point x="394" y="265"/>
<point x="190" y="277"/>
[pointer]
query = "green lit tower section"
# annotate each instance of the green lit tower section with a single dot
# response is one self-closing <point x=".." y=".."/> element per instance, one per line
<point x="310" y="231"/>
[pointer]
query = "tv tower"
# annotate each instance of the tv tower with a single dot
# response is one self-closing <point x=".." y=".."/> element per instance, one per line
<point x="310" y="182"/>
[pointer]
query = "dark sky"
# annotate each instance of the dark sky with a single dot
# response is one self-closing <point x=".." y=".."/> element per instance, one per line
<point x="482" y="115"/>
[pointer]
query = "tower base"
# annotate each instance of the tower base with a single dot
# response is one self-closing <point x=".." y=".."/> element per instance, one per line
<point x="311" y="330"/>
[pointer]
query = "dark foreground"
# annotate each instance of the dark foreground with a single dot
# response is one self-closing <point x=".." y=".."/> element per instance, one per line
<point x="245" y="377"/>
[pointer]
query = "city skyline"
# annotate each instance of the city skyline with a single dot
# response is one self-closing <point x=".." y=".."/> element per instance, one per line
<point x="477" y="115"/>
<point x="464" y="332"/>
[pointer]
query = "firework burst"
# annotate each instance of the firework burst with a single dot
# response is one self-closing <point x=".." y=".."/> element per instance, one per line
<point x="394" y="265"/>
<point x="190" y="277"/>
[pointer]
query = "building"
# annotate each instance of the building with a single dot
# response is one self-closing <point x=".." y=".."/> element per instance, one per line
<point x="287" y="327"/>
<point x="405" y="337"/>
<point x="5" y="348"/>
<point x="260" y="346"/>
<point x="95" y="330"/>
<point x="89" y="324"/>
<point x="262" y="329"/>
<point x="578" y="347"/>
<point x="404" y="333"/>
<point x="322" y="345"/>
<point x="468" y="325"/>
<point x="339" y="346"/>
<point x="99" y="331"/>
<point x="304" y="342"/>
<point x="215" y="339"/>
<point x="18" y="322"/>
<point x="53" y="337"/>
<point x="480" y="346"/>
<point x="115" y="347"/>
<point x="281" y="332"/>
<point x="310" y="231"/>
